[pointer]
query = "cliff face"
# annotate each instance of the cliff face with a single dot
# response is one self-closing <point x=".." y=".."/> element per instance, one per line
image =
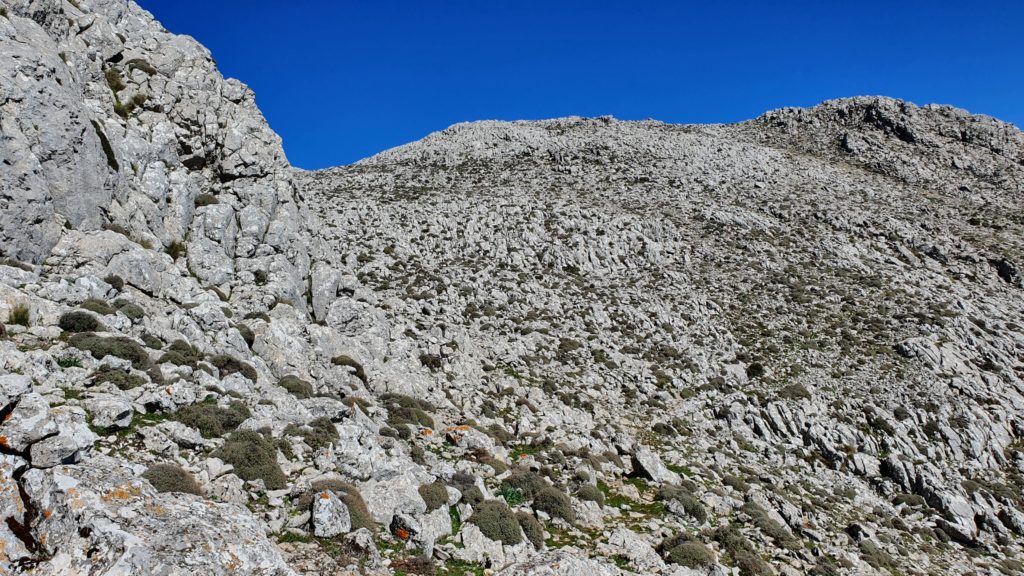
<point x="578" y="346"/>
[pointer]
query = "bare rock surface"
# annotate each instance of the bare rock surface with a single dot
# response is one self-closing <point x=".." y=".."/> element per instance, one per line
<point x="793" y="345"/>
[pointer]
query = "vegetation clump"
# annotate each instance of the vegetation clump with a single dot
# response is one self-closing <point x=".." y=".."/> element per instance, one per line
<point x="211" y="420"/>
<point x="691" y="505"/>
<point x="434" y="494"/>
<point x="181" y="353"/>
<point x="78" y="321"/>
<point x="686" y="552"/>
<point x="228" y="365"/>
<point x="97" y="306"/>
<point x="496" y="521"/>
<point x="526" y="482"/>
<point x="20" y="315"/>
<point x="100" y="347"/>
<point x="206" y="200"/>
<point x="254" y="458"/>
<point x="124" y="380"/>
<point x="172" y="478"/>
<point x="130" y="309"/>
<point x="296" y="386"/>
<point x="555" y="503"/>
<point x="406" y="411"/>
<point x="319" y="433"/>
<point x="591" y="493"/>
<point x="349" y="495"/>
<point x="348" y="361"/>
<point x="531" y="528"/>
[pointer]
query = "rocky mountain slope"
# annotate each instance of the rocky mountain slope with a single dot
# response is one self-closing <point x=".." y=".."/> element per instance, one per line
<point x="793" y="345"/>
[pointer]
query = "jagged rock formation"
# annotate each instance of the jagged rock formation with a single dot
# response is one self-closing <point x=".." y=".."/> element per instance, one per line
<point x="580" y="346"/>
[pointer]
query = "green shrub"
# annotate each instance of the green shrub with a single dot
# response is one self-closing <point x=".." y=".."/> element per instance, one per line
<point x="344" y="360"/>
<point x="151" y="341"/>
<point x="531" y="528"/>
<point x="140" y="64"/>
<point x="20" y="315"/>
<point x="750" y="564"/>
<point x="181" y="353"/>
<point x="496" y="521"/>
<point x="691" y="505"/>
<point x="120" y="378"/>
<point x="555" y="503"/>
<point x="172" y="478"/>
<point x="732" y="540"/>
<point x="319" y="433"/>
<point x="513" y="496"/>
<point x="175" y="249"/>
<point x="68" y="362"/>
<point x="206" y="200"/>
<point x="254" y="458"/>
<point x="108" y="150"/>
<point x="435" y="495"/>
<point x="114" y="80"/>
<point x="97" y="306"/>
<point x="691" y="554"/>
<point x="78" y="321"/>
<point x="406" y="411"/>
<point x="115" y="281"/>
<point x="130" y="309"/>
<point x="349" y="494"/>
<point x="527" y="482"/>
<point x="247" y="334"/>
<point x="211" y="420"/>
<point x="228" y="365"/>
<point x="771" y="528"/>
<point x="735" y="482"/>
<point x="794" y="392"/>
<point x="296" y="386"/>
<point x="466" y="485"/>
<point x="100" y="347"/>
<point x="591" y="493"/>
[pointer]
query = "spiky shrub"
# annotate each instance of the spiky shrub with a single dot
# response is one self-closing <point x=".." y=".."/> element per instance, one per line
<point x="349" y="495"/>
<point x="466" y="485"/>
<point x="407" y="411"/>
<point x="496" y="521"/>
<point x="527" y="482"/>
<point x="691" y="554"/>
<point x="130" y="309"/>
<point x="115" y="281"/>
<point x="100" y="347"/>
<point x="79" y="321"/>
<point x="247" y="334"/>
<point x="175" y="249"/>
<point x="296" y="386"/>
<point x="97" y="306"/>
<point x="348" y="361"/>
<point x="691" y="505"/>
<point x="20" y="315"/>
<point x="434" y="494"/>
<point x="211" y="420"/>
<point x="531" y="528"/>
<point x="555" y="503"/>
<point x="591" y="493"/>
<point x="181" y="353"/>
<point x="228" y="365"/>
<point x="206" y="200"/>
<point x="120" y="378"/>
<point x="319" y="433"/>
<point x="172" y="478"/>
<point x="254" y="458"/>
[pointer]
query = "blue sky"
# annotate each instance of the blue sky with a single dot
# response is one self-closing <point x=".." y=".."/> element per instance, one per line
<point x="341" y="80"/>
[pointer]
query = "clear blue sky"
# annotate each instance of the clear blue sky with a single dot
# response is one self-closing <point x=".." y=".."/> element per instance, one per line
<point x="341" y="80"/>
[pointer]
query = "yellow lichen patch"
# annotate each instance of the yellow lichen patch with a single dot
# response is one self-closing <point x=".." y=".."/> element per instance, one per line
<point x="121" y="493"/>
<point x="325" y="495"/>
<point x="427" y="432"/>
<point x="3" y="441"/>
<point x="47" y="514"/>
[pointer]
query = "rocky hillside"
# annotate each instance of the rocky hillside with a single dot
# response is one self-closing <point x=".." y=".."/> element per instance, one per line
<point x="573" y="347"/>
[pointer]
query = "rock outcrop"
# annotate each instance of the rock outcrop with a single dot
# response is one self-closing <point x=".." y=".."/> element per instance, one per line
<point x="793" y="345"/>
